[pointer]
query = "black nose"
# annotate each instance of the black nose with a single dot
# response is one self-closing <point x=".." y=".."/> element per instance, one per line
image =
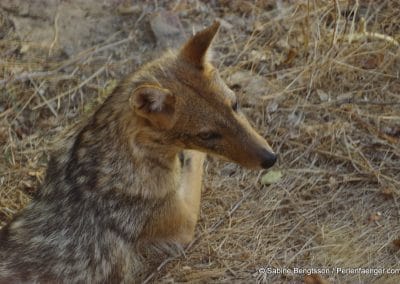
<point x="269" y="159"/>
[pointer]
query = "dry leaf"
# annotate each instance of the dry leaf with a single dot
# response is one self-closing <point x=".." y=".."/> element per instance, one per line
<point x="271" y="177"/>
<point x="396" y="243"/>
<point x="375" y="217"/>
<point x="373" y="61"/>
<point x="387" y="193"/>
<point x="315" y="279"/>
<point x="290" y="56"/>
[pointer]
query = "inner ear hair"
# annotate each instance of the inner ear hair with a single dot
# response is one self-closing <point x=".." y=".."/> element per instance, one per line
<point x="150" y="98"/>
<point x="155" y="104"/>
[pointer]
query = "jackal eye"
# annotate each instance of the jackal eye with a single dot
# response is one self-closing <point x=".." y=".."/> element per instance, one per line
<point x="235" y="106"/>
<point x="209" y="135"/>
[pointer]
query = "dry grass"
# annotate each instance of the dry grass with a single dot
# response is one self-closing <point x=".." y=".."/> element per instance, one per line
<point x="318" y="84"/>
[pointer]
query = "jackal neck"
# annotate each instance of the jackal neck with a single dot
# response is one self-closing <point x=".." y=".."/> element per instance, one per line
<point x="107" y="155"/>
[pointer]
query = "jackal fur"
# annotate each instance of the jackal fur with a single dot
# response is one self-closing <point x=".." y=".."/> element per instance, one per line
<point x="117" y="183"/>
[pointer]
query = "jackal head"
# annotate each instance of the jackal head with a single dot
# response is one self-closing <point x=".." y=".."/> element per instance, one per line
<point x="183" y="103"/>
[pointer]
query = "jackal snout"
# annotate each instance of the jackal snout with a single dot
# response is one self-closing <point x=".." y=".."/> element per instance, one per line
<point x="268" y="158"/>
<point x="247" y="147"/>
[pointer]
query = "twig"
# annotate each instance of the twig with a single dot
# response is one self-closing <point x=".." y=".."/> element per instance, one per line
<point x="46" y="101"/>
<point x="363" y="33"/>
<point x="345" y="158"/>
<point x="55" y="40"/>
<point x="373" y="130"/>
<point x="337" y="19"/>
<point x="25" y="76"/>
<point x="71" y="90"/>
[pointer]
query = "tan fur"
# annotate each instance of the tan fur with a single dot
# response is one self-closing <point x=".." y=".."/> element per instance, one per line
<point x="176" y="220"/>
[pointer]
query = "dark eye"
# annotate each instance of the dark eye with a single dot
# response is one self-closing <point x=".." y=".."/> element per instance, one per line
<point x="235" y="106"/>
<point x="209" y="135"/>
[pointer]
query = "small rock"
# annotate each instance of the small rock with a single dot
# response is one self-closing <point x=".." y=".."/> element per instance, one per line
<point x="346" y="97"/>
<point x="323" y="96"/>
<point x="272" y="107"/>
<point x="295" y="118"/>
<point x="252" y="84"/>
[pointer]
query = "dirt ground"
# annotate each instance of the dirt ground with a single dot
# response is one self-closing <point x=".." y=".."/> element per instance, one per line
<point x="319" y="79"/>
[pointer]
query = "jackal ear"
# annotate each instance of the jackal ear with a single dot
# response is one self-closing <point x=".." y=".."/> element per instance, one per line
<point x="195" y="49"/>
<point x="155" y="104"/>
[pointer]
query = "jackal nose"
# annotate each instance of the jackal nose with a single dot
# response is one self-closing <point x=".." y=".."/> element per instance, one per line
<point x="269" y="159"/>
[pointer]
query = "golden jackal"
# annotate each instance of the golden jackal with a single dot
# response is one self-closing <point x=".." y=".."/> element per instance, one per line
<point x="117" y="183"/>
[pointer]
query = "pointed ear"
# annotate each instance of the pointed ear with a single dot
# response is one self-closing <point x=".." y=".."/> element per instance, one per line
<point x="155" y="104"/>
<point x="195" y="49"/>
